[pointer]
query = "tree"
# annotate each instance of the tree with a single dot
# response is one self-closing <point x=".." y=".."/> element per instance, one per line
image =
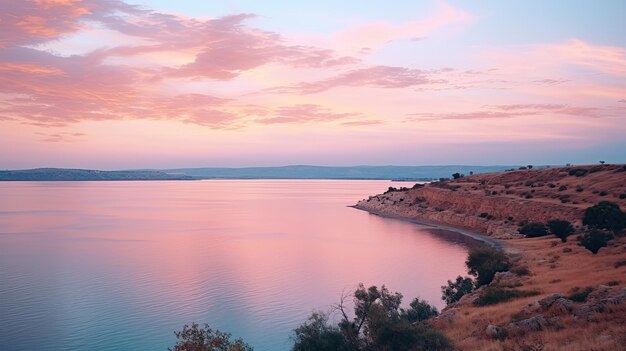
<point x="378" y="324"/>
<point x="602" y="162"/>
<point x="454" y="291"/>
<point x="561" y="229"/>
<point x="483" y="262"/>
<point x="533" y="230"/>
<point x="530" y="166"/>
<point x="420" y="311"/>
<point x="605" y="215"/>
<point x="196" y="338"/>
<point x="457" y="175"/>
<point x="316" y="334"/>
<point x="595" y="239"/>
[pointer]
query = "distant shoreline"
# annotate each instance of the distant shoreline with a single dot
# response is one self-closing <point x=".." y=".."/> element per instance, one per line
<point x="482" y="238"/>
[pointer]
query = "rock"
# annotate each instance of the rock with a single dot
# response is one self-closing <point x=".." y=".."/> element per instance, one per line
<point x="524" y="326"/>
<point x="507" y="279"/>
<point x="495" y="332"/>
<point x="597" y="300"/>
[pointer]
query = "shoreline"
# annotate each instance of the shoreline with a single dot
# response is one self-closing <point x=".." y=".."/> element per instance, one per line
<point x="482" y="238"/>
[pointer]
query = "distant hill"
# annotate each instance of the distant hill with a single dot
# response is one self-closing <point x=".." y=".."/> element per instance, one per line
<point x="62" y="174"/>
<point x="322" y="172"/>
<point x="409" y="173"/>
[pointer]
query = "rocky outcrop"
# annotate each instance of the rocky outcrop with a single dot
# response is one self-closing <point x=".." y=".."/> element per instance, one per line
<point x="497" y="216"/>
<point x="547" y="311"/>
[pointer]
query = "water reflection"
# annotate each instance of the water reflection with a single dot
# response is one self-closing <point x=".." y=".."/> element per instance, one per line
<point x="120" y="265"/>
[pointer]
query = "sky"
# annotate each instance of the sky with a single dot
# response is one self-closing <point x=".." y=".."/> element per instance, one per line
<point x="112" y="84"/>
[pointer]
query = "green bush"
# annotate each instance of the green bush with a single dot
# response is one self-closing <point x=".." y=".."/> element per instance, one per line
<point x="605" y="215"/>
<point x="455" y="290"/>
<point x="196" y="338"/>
<point x="595" y="239"/>
<point x="533" y="230"/>
<point x="496" y="294"/>
<point x="580" y="295"/>
<point x="578" y="172"/>
<point x="483" y="262"/>
<point x="561" y="229"/>
<point x="376" y="323"/>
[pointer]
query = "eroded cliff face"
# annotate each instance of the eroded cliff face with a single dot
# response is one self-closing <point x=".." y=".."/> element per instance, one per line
<point x="497" y="204"/>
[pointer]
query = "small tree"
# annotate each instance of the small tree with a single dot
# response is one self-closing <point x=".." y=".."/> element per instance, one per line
<point x="317" y="334"/>
<point x="456" y="175"/>
<point x="595" y="239"/>
<point x="196" y="338"/>
<point x="533" y="230"/>
<point x="561" y="229"/>
<point x="483" y="262"/>
<point x="378" y="324"/>
<point x="602" y="162"/>
<point x="605" y="215"/>
<point x="455" y="290"/>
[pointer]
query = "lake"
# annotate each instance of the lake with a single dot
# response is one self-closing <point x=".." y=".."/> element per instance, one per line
<point x="122" y="265"/>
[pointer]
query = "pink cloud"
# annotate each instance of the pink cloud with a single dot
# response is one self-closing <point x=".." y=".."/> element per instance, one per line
<point x="304" y="113"/>
<point x="521" y="110"/>
<point x="377" y="76"/>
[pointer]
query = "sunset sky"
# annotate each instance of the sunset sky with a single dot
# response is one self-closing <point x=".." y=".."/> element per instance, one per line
<point x="113" y="84"/>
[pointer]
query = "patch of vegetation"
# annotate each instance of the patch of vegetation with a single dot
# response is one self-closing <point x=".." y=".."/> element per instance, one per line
<point x="613" y="283"/>
<point x="579" y="294"/>
<point x="621" y="263"/>
<point x="603" y="193"/>
<point x="496" y="294"/>
<point x="521" y="270"/>
<point x="484" y="215"/>
<point x="203" y="338"/>
<point x="533" y="230"/>
<point x="457" y="175"/>
<point x="562" y="188"/>
<point x="378" y="324"/>
<point x="567" y="249"/>
<point x="577" y="172"/>
<point x="579" y="189"/>
<point x="484" y="262"/>
<point x="622" y="196"/>
<point x="595" y="239"/>
<point x="605" y="215"/>
<point x="455" y="290"/>
<point x="561" y="228"/>
<point x="551" y="185"/>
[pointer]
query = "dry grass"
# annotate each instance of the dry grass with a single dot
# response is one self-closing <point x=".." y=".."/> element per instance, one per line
<point x="552" y="270"/>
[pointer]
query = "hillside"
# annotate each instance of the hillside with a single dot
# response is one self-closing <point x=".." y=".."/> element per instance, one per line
<point x="567" y="297"/>
<point x="495" y="204"/>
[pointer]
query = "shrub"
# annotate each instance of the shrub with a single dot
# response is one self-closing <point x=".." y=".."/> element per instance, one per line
<point x="521" y="270"/>
<point x="580" y="295"/>
<point x="377" y="323"/>
<point x="603" y="193"/>
<point x="562" y="188"/>
<point x="484" y="262"/>
<point x="457" y="175"/>
<point x="420" y="311"/>
<point x="551" y="185"/>
<point x="620" y="264"/>
<point x="605" y="215"/>
<point x="496" y="294"/>
<point x="533" y="230"/>
<point x="595" y="239"/>
<point x="484" y="215"/>
<point x="622" y="196"/>
<point x="561" y="229"/>
<point x="196" y="338"/>
<point x="579" y="189"/>
<point x="454" y="291"/>
<point x="317" y="334"/>
<point x="578" y="172"/>
<point x="613" y="283"/>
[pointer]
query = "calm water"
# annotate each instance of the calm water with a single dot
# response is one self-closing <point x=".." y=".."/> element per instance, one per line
<point x="121" y="265"/>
